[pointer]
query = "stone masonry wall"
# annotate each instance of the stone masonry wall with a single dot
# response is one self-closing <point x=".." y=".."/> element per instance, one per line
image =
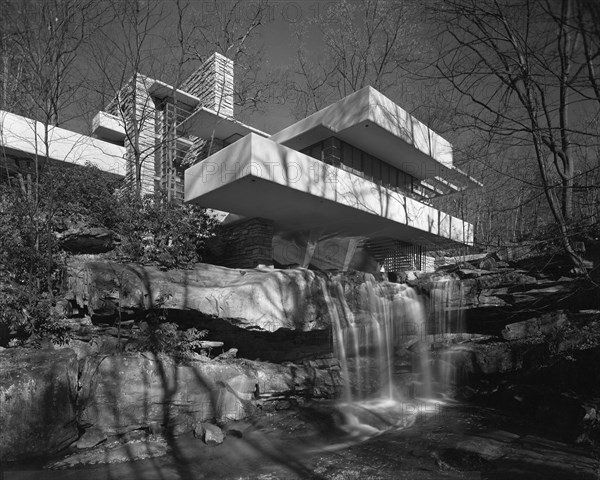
<point x="136" y="108"/>
<point x="212" y="83"/>
<point x="244" y="244"/>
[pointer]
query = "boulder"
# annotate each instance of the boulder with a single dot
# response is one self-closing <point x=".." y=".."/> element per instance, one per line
<point x="210" y="434"/>
<point x="37" y="400"/>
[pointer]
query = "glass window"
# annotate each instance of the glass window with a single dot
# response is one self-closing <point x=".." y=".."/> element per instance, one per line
<point x="316" y="151"/>
<point x="367" y="163"/>
<point x="345" y="157"/>
<point x="346" y="153"/>
<point x="385" y="174"/>
<point x="404" y="181"/>
<point x="393" y="178"/>
<point x="357" y="159"/>
<point x="376" y="169"/>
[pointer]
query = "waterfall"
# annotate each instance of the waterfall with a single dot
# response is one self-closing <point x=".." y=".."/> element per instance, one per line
<point x="383" y="320"/>
<point x="447" y="319"/>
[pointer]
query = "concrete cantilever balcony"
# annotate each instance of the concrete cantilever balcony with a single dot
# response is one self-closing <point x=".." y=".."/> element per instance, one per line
<point x="256" y="177"/>
<point x="22" y="136"/>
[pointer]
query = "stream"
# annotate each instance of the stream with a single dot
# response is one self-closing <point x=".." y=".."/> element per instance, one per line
<point x="456" y="441"/>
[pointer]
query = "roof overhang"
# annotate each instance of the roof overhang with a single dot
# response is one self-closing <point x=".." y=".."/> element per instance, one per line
<point x="205" y="123"/>
<point x="256" y="177"/>
<point x="373" y="123"/>
<point x="163" y="90"/>
<point x="108" y="127"/>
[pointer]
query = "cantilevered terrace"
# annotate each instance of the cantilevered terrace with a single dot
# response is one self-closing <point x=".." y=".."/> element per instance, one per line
<point x="360" y="167"/>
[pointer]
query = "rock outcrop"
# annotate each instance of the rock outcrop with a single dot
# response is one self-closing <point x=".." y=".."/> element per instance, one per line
<point x="262" y="298"/>
<point x="128" y="392"/>
<point x="38" y="389"/>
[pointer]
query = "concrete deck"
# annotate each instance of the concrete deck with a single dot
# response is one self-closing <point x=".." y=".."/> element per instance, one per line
<point x="256" y="177"/>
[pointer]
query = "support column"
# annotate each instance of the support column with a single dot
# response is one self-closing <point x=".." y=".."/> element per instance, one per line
<point x="311" y="246"/>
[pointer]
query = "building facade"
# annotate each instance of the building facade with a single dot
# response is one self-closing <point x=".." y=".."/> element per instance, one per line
<point x="349" y="187"/>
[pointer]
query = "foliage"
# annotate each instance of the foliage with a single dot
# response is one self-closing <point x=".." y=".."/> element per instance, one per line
<point x="154" y="230"/>
<point x="166" y="338"/>
<point x="71" y="194"/>
<point x="31" y="260"/>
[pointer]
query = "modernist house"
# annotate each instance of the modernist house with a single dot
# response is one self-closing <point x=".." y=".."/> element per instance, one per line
<point x="348" y="187"/>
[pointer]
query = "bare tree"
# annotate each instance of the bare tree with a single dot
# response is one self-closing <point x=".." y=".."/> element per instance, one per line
<point x="362" y="43"/>
<point x="525" y="80"/>
<point x="234" y="29"/>
<point x="40" y="45"/>
<point x="125" y="51"/>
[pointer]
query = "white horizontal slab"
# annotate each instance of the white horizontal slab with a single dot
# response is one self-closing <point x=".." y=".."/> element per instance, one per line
<point x="108" y="127"/>
<point x="372" y="122"/>
<point x="26" y="137"/>
<point x="205" y="123"/>
<point x="256" y="177"/>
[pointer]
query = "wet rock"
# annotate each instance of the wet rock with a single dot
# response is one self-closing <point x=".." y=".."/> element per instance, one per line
<point x="37" y="396"/>
<point x="115" y="452"/>
<point x="535" y="326"/>
<point x="487" y="448"/>
<point x="493" y="357"/>
<point x="513" y="456"/>
<point x="92" y="437"/>
<point x="211" y="434"/>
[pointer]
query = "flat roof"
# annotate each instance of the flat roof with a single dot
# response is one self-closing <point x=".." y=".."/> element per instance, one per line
<point x="163" y="90"/>
<point x="372" y="122"/>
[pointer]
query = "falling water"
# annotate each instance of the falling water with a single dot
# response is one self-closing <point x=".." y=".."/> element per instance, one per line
<point x="447" y="317"/>
<point x="384" y="324"/>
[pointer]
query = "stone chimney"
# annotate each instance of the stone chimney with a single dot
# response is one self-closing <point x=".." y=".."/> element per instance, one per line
<point x="212" y="83"/>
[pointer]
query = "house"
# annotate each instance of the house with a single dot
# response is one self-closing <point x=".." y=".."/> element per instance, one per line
<point x="348" y="187"/>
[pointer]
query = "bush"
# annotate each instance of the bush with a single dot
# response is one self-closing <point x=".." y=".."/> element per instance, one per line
<point x="167" y="339"/>
<point x="154" y="230"/>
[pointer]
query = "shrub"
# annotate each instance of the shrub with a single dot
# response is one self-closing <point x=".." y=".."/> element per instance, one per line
<point x="167" y="339"/>
<point x="152" y="230"/>
<point x="155" y="230"/>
